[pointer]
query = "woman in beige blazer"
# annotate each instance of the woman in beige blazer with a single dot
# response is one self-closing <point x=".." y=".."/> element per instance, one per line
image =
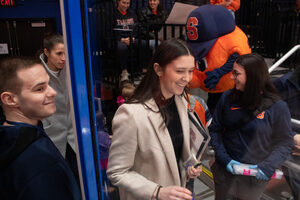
<point x="150" y="153"/>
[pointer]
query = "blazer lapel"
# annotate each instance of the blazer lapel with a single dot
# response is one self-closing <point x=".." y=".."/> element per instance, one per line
<point x="163" y="135"/>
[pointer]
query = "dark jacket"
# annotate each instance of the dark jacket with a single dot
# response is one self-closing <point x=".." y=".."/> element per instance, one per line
<point x="146" y="19"/>
<point x="124" y="25"/>
<point x="288" y="87"/>
<point x="32" y="167"/>
<point x="265" y="140"/>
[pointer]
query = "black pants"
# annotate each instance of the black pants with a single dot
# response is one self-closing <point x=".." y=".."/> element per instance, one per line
<point x="293" y="177"/>
<point x="123" y="55"/>
<point x="235" y="187"/>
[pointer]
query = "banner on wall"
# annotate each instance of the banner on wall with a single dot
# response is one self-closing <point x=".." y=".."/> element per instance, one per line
<point x="7" y="3"/>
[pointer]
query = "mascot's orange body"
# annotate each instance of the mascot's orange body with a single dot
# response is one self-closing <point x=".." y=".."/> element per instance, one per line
<point x="216" y="42"/>
<point x="235" y="4"/>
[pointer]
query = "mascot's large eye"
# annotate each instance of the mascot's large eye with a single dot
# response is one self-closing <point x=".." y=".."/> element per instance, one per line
<point x="201" y="64"/>
<point x="192" y="31"/>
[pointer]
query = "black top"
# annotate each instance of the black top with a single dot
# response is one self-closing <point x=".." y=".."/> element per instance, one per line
<point x="175" y="129"/>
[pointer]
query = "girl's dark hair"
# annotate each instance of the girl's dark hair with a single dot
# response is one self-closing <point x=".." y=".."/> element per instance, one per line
<point x="51" y="39"/>
<point x="149" y="87"/>
<point x="258" y="84"/>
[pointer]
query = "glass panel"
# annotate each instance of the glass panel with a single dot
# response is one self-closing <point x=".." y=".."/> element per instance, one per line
<point x="107" y="72"/>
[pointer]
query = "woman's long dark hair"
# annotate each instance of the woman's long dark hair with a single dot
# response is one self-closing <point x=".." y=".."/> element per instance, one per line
<point x="258" y="84"/>
<point x="149" y="87"/>
<point x="160" y="7"/>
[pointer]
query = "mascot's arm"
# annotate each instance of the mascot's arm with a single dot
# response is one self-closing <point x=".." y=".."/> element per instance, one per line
<point x="214" y="76"/>
<point x="196" y="80"/>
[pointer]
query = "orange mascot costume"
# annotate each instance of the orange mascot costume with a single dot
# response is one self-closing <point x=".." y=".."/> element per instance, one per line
<point x="216" y="43"/>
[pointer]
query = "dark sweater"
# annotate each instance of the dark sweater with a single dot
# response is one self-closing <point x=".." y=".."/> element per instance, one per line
<point x="38" y="171"/>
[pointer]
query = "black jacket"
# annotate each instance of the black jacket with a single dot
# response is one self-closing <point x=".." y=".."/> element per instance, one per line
<point x="147" y="18"/>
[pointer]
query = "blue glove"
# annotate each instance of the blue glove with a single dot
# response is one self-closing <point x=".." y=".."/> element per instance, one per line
<point x="229" y="166"/>
<point x="260" y="174"/>
<point x="214" y="76"/>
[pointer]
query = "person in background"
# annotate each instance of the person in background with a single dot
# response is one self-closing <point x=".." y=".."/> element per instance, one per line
<point x="288" y="87"/>
<point x="231" y="5"/>
<point x="59" y="126"/>
<point x="124" y="21"/>
<point x="151" y="135"/>
<point x="150" y="18"/>
<point x="127" y="89"/>
<point x="31" y="167"/>
<point x="251" y="125"/>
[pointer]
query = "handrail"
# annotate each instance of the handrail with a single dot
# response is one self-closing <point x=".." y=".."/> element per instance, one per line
<point x="296" y="122"/>
<point x="286" y="56"/>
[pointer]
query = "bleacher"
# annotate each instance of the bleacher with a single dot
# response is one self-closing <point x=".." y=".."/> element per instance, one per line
<point x="272" y="27"/>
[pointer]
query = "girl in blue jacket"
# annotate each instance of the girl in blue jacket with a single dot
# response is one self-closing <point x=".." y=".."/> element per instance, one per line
<point x="251" y="125"/>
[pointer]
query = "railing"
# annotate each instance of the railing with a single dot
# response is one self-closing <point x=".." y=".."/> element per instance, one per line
<point x="285" y="57"/>
<point x="279" y="62"/>
<point x="295" y="122"/>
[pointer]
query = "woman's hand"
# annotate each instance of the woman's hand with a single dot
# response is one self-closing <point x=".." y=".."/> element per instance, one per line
<point x="127" y="40"/>
<point x="194" y="172"/>
<point x="296" y="150"/>
<point x="174" y="193"/>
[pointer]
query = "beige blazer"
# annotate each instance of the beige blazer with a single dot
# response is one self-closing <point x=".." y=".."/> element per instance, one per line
<point x="142" y="155"/>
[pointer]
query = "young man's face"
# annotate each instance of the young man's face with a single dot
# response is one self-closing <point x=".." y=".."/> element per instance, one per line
<point x="36" y="97"/>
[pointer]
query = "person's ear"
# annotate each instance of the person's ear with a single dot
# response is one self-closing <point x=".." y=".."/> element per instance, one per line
<point x="46" y="52"/>
<point x="158" y="69"/>
<point x="9" y="99"/>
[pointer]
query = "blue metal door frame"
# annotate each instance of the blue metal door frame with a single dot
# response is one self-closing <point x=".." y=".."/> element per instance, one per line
<point x="76" y="33"/>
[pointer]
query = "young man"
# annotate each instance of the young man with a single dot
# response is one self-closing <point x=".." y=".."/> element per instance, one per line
<point x="31" y="167"/>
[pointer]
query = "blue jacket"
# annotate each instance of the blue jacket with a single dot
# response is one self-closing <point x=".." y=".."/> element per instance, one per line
<point x="34" y="170"/>
<point x="266" y="140"/>
<point x="288" y="87"/>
